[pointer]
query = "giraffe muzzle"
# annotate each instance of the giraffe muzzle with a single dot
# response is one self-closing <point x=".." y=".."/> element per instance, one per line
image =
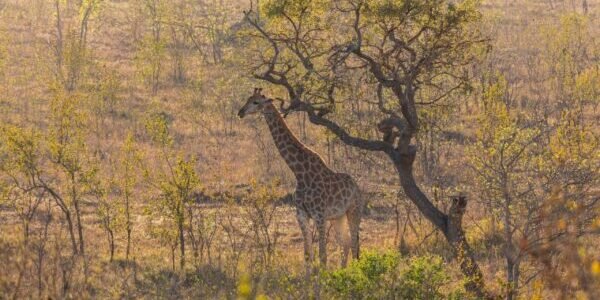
<point x="241" y="113"/>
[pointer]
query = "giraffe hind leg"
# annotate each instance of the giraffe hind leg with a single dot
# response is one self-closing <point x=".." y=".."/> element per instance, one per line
<point x="354" y="218"/>
<point x="343" y="238"/>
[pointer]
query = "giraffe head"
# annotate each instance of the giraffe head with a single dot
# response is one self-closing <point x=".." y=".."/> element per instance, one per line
<point x="254" y="104"/>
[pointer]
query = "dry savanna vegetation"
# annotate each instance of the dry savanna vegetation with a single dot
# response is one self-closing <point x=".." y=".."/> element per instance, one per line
<point x="471" y="127"/>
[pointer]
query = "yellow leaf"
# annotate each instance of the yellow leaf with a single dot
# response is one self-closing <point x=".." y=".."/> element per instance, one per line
<point x="595" y="268"/>
<point x="562" y="224"/>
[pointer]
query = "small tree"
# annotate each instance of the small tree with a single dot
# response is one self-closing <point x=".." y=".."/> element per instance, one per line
<point x="127" y="181"/>
<point x="20" y="156"/>
<point x="152" y="47"/>
<point x="504" y="160"/>
<point x="176" y="180"/>
<point x="260" y="208"/>
<point x="202" y="232"/>
<point x="70" y="162"/>
<point x="108" y="214"/>
<point x="116" y="196"/>
<point x="70" y="43"/>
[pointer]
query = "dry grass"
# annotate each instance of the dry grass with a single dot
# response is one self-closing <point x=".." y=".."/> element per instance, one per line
<point x="230" y="155"/>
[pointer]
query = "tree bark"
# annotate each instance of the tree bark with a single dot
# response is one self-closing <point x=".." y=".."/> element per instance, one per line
<point x="71" y="232"/>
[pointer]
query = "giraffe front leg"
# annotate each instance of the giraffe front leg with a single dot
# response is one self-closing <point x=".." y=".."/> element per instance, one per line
<point x="322" y="229"/>
<point x="302" y="218"/>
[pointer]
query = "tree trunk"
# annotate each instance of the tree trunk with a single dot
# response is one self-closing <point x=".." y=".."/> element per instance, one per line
<point x="127" y="249"/>
<point x="512" y="278"/>
<point x="71" y="232"/>
<point x="79" y="227"/>
<point x="450" y="225"/>
<point x="181" y="245"/>
<point x="456" y="237"/>
<point x="510" y="251"/>
<point x="127" y="226"/>
<point x="173" y="247"/>
<point x="41" y="250"/>
<point x="111" y="243"/>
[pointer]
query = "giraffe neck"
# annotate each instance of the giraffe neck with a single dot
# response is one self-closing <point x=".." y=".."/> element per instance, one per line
<point x="299" y="158"/>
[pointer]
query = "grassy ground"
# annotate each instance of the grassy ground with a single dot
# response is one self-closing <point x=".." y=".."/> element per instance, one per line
<point x="236" y="247"/>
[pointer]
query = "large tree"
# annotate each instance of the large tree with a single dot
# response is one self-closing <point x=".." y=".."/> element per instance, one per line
<point x="403" y="55"/>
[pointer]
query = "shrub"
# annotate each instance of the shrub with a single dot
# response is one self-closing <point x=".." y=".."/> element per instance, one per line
<point x="422" y="279"/>
<point x="387" y="276"/>
<point x="362" y="277"/>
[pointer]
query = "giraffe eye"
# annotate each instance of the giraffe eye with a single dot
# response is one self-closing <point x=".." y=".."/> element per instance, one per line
<point x="255" y="102"/>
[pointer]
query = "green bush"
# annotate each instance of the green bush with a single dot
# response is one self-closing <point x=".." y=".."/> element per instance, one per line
<point x="422" y="279"/>
<point x="361" y="277"/>
<point x="387" y="276"/>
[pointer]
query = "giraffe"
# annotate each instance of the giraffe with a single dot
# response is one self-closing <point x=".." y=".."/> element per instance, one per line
<point x="321" y="194"/>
